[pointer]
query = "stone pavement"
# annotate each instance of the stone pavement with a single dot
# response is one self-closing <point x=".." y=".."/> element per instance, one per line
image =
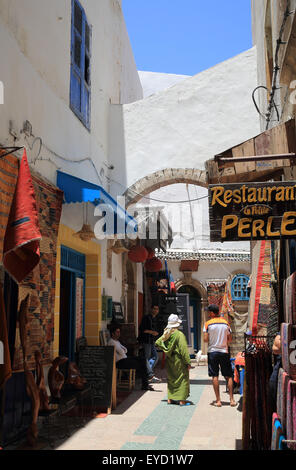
<point x="144" y="421"/>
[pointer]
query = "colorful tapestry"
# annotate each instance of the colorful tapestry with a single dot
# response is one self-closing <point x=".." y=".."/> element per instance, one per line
<point x="291" y="414"/>
<point x="9" y="166"/>
<point x="40" y="283"/>
<point x="21" y="251"/>
<point x="227" y="305"/>
<point x="263" y="306"/>
<point x="216" y="293"/>
<point x="288" y="337"/>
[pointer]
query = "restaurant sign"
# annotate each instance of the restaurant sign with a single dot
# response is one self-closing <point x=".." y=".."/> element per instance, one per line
<point x="252" y="211"/>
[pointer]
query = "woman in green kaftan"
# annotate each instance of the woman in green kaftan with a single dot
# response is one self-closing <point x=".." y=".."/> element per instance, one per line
<point x="174" y="344"/>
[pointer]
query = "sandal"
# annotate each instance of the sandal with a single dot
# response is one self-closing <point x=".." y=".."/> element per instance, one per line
<point x="216" y="404"/>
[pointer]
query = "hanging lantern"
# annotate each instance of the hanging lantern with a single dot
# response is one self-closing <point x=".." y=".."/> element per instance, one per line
<point x="85" y="234"/>
<point x="153" y="265"/>
<point x="151" y="253"/>
<point x="138" y="254"/>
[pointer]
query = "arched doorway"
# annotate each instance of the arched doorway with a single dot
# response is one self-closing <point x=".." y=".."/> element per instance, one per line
<point x="166" y="177"/>
<point x="194" y="315"/>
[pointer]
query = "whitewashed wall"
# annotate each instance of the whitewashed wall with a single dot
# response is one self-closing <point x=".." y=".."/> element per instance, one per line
<point x="35" y="38"/>
<point x="195" y="119"/>
<point x="210" y="270"/>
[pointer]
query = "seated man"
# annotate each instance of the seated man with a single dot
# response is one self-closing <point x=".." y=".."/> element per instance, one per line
<point x="124" y="362"/>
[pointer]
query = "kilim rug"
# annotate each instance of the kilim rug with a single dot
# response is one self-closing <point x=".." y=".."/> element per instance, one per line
<point x="216" y="293"/>
<point x="9" y="166"/>
<point x="40" y="283"/>
<point x="264" y="308"/>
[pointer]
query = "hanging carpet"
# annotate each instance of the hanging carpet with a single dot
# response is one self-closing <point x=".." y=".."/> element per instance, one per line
<point x="40" y="283"/>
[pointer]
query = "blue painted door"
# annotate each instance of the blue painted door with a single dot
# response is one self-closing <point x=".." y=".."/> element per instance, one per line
<point x="72" y="300"/>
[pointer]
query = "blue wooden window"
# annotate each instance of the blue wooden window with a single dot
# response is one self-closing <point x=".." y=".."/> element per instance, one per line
<point x="80" y="64"/>
<point x="239" y="287"/>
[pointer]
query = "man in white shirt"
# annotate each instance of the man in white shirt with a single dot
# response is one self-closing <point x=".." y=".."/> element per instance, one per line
<point x="124" y="362"/>
<point x="217" y="334"/>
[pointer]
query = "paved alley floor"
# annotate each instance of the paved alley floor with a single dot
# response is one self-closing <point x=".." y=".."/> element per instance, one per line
<point x="144" y="421"/>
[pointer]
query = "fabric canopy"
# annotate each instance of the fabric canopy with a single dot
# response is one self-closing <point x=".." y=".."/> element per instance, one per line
<point x="77" y="190"/>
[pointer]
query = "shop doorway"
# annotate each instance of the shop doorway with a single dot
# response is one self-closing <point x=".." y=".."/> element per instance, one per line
<point x="195" y="314"/>
<point x="72" y="301"/>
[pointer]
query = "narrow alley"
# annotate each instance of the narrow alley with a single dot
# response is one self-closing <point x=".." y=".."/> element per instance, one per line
<point x="149" y="423"/>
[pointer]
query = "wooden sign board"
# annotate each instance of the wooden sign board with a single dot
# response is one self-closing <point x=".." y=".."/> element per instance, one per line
<point x="97" y="366"/>
<point x="252" y="211"/>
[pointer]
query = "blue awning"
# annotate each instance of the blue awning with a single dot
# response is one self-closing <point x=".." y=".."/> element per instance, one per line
<point x="78" y="190"/>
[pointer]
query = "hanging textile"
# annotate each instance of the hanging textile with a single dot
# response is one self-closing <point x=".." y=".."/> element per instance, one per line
<point x="227" y="305"/>
<point x="9" y="166"/>
<point x="5" y="362"/>
<point x="257" y="413"/>
<point x="21" y="251"/>
<point x="288" y="334"/>
<point x="40" y="283"/>
<point x="216" y="293"/>
<point x="291" y="414"/>
<point x="290" y="299"/>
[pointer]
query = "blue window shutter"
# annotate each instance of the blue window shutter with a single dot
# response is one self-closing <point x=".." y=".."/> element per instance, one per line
<point x="239" y="289"/>
<point x="80" y="64"/>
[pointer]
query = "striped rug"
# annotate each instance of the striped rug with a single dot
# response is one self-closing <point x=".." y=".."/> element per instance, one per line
<point x="9" y="166"/>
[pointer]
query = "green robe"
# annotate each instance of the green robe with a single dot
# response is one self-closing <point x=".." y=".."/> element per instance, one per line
<point x="177" y="362"/>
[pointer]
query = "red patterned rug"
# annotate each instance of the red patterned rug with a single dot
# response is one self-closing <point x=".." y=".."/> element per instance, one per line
<point x="40" y="283"/>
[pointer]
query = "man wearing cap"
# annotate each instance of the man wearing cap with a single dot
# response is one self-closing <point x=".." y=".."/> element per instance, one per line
<point x="217" y="334"/>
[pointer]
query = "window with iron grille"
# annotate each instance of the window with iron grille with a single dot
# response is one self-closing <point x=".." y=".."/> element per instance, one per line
<point x="80" y="64"/>
<point x="239" y="287"/>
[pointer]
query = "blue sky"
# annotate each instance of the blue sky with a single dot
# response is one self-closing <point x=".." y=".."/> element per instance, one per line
<point x="186" y="36"/>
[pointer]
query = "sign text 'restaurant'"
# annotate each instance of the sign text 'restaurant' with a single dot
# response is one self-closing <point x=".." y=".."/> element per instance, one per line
<point x="252" y="211"/>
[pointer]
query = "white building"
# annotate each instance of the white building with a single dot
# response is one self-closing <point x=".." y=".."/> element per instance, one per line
<point x="64" y="66"/>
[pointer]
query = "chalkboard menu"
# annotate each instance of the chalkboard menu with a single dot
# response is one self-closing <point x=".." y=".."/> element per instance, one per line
<point x="97" y="366"/>
<point x="179" y="305"/>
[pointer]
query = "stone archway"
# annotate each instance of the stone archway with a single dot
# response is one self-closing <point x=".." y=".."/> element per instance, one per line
<point x="162" y="178"/>
<point x="189" y="281"/>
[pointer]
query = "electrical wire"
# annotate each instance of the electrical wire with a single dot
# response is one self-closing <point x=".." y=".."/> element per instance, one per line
<point x="276" y="68"/>
<point x="254" y="101"/>
<point x="42" y="144"/>
<point x="156" y="200"/>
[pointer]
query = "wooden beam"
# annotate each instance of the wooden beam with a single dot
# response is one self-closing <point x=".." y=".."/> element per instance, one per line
<point x="255" y="158"/>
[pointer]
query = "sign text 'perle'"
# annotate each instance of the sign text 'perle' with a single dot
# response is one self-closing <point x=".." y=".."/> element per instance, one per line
<point x="252" y="211"/>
